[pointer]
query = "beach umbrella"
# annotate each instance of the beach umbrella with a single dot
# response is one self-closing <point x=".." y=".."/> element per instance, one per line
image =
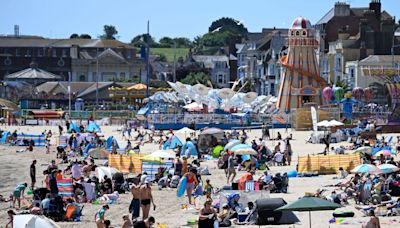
<point x="151" y="158"/>
<point x="30" y="220"/>
<point x="388" y="168"/>
<point x="201" y="89"/>
<point x="231" y="144"/>
<point x="309" y="204"/>
<point x="364" y="149"/>
<point x="185" y="131"/>
<point x="249" y="97"/>
<point x="334" y="123"/>
<point x="165" y="154"/>
<point x="243" y="149"/>
<point x="226" y="93"/>
<point x="323" y="123"/>
<point x="385" y="153"/>
<point x="211" y="131"/>
<point x="366" y="168"/>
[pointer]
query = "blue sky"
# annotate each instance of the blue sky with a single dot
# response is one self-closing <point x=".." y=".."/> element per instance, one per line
<point x="175" y="18"/>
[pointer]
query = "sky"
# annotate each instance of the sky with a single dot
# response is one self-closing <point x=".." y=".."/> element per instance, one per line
<point x="173" y="18"/>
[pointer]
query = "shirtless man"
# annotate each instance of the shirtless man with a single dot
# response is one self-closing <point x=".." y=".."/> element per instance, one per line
<point x="146" y="198"/>
<point x="134" y="208"/>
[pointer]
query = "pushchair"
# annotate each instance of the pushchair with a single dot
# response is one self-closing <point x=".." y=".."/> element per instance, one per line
<point x="120" y="184"/>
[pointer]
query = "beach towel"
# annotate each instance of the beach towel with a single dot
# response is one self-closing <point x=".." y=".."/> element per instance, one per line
<point x="65" y="188"/>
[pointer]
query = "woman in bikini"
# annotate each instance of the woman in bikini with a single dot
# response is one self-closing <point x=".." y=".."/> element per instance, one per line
<point x="191" y="183"/>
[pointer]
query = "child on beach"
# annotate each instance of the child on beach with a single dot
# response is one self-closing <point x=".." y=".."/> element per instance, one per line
<point x="208" y="189"/>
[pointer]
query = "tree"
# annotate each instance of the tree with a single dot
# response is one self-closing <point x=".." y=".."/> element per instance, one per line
<point x="198" y="77"/>
<point x="85" y="36"/>
<point x="82" y="36"/>
<point x="166" y="42"/>
<point x="228" y="24"/>
<point x="74" y="36"/>
<point x="139" y="41"/>
<point x="182" y="42"/>
<point x="343" y="85"/>
<point x="109" y="32"/>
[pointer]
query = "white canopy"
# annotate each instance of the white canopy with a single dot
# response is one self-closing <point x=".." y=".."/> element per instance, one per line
<point x="185" y="130"/>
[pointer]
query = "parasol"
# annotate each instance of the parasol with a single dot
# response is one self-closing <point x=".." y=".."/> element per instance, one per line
<point x="249" y="97"/>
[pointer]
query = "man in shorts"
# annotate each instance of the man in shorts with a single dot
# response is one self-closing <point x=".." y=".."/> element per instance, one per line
<point x="134" y="207"/>
<point x="231" y="168"/>
<point x="18" y="191"/>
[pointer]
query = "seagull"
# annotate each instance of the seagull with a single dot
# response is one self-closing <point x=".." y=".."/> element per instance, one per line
<point x="238" y="22"/>
<point x="217" y="29"/>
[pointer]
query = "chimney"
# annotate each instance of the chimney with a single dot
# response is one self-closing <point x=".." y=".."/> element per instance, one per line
<point x="342" y="9"/>
<point x="375" y="6"/>
<point x="16" y="30"/>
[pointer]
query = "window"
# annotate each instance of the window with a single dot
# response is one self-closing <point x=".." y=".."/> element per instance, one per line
<point x="122" y="75"/>
<point x="82" y="78"/>
<point x="351" y="72"/>
<point x="54" y="53"/>
<point x="272" y="92"/>
<point x="40" y="52"/>
<point x="17" y="53"/>
<point x="28" y="53"/>
<point x="64" y="53"/>
<point x="220" y="78"/>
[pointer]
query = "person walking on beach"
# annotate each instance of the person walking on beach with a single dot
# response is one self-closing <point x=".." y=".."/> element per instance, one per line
<point x="373" y="221"/>
<point x="32" y="173"/>
<point x="134" y="207"/>
<point x="231" y="168"/>
<point x="146" y="198"/>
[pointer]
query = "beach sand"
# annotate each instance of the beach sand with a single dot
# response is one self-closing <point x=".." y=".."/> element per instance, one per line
<point x="15" y="169"/>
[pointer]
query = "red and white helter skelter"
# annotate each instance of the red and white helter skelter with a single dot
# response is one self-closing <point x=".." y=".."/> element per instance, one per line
<point x="300" y="82"/>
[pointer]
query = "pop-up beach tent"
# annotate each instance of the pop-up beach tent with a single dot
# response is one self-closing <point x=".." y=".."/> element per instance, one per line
<point x="4" y="136"/>
<point x="93" y="127"/>
<point x="73" y="127"/>
<point x="191" y="147"/>
<point x="172" y="143"/>
<point x="110" y="140"/>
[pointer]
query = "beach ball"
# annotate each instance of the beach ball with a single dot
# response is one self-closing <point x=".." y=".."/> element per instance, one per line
<point x="292" y="173"/>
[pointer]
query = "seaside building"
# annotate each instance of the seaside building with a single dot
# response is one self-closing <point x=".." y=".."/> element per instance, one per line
<point x="79" y="58"/>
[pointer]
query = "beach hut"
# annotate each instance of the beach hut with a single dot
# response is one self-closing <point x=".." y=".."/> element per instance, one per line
<point x="172" y="143"/>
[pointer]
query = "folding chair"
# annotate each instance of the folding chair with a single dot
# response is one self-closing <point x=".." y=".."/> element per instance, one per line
<point x="69" y="215"/>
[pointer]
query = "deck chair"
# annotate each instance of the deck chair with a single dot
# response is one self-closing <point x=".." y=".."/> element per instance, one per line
<point x="69" y="215"/>
<point x="249" y="186"/>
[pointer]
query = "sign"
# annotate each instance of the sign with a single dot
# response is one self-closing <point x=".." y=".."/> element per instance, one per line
<point x="305" y="91"/>
<point x="31" y="122"/>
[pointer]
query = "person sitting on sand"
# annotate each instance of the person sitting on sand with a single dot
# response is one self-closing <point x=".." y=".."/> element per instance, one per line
<point x="208" y="216"/>
<point x="146" y="223"/>
<point x="127" y="221"/>
<point x="373" y="221"/>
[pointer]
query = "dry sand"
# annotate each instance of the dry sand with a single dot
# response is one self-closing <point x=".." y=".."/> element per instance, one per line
<point x="15" y="169"/>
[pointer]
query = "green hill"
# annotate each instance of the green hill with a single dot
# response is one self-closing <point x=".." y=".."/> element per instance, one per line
<point x="169" y="53"/>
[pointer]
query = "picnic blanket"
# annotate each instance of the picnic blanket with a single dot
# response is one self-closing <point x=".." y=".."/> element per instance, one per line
<point x="65" y="188"/>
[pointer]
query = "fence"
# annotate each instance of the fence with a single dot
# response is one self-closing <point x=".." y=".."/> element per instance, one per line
<point x="328" y="164"/>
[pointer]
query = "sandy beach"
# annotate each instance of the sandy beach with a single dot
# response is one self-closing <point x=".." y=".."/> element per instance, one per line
<point x="15" y="169"/>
